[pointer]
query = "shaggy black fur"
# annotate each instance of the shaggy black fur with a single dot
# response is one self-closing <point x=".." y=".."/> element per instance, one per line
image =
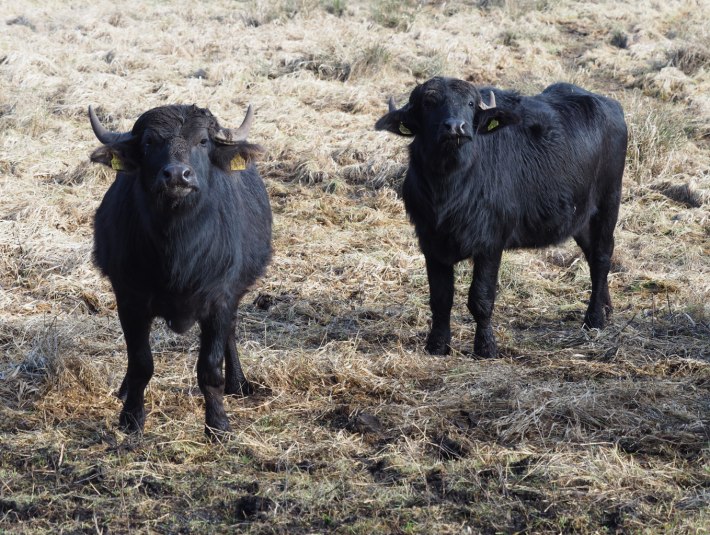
<point x="530" y="172"/>
<point x="181" y="236"/>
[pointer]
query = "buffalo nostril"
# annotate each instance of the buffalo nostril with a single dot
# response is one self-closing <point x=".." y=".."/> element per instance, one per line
<point x="177" y="175"/>
<point x="456" y="127"/>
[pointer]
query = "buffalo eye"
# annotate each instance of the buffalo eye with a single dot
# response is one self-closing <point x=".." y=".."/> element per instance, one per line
<point x="147" y="141"/>
<point x="470" y="103"/>
<point x="203" y="142"/>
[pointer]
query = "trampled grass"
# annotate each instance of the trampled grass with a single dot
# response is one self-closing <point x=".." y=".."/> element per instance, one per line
<point x="354" y="428"/>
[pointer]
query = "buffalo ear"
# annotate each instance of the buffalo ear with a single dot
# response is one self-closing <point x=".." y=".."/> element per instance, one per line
<point x="493" y="119"/>
<point x="398" y="122"/>
<point x="117" y="156"/>
<point x="235" y="157"/>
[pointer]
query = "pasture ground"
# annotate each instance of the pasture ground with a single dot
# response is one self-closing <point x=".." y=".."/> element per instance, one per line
<point x="354" y="429"/>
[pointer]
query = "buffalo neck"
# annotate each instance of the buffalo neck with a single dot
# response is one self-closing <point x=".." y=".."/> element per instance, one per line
<point x="438" y="161"/>
<point x="189" y="240"/>
<point x="442" y="172"/>
<point x="439" y="187"/>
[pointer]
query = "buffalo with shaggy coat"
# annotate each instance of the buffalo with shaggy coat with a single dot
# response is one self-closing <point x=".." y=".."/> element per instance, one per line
<point x="182" y="233"/>
<point x="491" y="170"/>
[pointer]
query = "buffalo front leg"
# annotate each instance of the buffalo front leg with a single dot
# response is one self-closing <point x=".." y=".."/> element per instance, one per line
<point x="235" y="382"/>
<point x="213" y="340"/>
<point x="599" y="308"/>
<point x="597" y="243"/>
<point x="441" y="298"/>
<point x="136" y="330"/>
<point x="481" y="298"/>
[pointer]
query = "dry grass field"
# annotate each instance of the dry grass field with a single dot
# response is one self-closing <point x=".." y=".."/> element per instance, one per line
<point x="354" y="428"/>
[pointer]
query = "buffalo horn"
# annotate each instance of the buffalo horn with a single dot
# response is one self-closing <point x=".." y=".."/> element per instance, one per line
<point x="392" y="106"/>
<point x="232" y="136"/>
<point x="105" y="136"/>
<point x="485" y="106"/>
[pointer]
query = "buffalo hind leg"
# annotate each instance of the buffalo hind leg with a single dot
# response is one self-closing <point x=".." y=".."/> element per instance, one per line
<point x="481" y="298"/>
<point x="136" y="330"/>
<point x="213" y="340"/>
<point x="597" y="243"/>
<point x="441" y="299"/>
<point x="235" y="384"/>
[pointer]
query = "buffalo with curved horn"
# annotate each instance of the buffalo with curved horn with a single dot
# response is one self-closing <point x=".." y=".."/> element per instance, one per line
<point x="525" y="171"/>
<point x="182" y="233"/>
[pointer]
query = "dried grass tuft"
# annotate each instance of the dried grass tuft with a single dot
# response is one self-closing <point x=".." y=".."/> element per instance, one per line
<point x="681" y="193"/>
<point x="689" y="58"/>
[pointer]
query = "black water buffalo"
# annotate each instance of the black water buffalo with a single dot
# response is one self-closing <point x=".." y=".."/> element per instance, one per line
<point x="512" y="172"/>
<point x="182" y="233"/>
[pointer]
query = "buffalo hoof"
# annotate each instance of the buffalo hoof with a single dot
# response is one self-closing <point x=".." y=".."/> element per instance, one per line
<point x="438" y="343"/>
<point x="217" y="431"/>
<point x="242" y="389"/>
<point x="594" y="320"/>
<point x="131" y="421"/>
<point x="485" y="346"/>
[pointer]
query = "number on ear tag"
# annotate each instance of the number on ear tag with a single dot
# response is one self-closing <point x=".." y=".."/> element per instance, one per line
<point x="116" y="164"/>
<point x="404" y="130"/>
<point x="238" y="163"/>
<point x="493" y="124"/>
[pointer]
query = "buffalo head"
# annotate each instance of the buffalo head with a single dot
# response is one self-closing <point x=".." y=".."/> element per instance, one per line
<point x="173" y="150"/>
<point x="446" y="112"/>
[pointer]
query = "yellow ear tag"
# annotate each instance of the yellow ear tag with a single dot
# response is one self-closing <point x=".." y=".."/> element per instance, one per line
<point x="404" y="130"/>
<point x="493" y="124"/>
<point x="116" y="164"/>
<point x="238" y="163"/>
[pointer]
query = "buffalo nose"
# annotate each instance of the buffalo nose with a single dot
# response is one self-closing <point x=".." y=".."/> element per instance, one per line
<point x="178" y="175"/>
<point x="455" y="127"/>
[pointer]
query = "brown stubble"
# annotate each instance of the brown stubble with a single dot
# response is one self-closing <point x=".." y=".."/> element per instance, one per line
<point x="353" y="428"/>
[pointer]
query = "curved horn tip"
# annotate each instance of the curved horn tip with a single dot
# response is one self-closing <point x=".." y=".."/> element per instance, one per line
<point x="92" y="114"/>
<point x="249" y="113"/>
<point x="99" y="130"/>
<point x="103" y="134"/>
<point x="248" y="117"/>
<point x="232" y="136"/>
<point x="391" y="104"/>
<point x="485" y="106"/>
